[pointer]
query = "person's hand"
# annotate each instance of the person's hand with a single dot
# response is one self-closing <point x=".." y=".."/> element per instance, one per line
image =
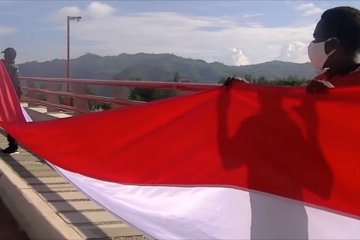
<point x="318" y="86"/>
<point x="228" y="82"/>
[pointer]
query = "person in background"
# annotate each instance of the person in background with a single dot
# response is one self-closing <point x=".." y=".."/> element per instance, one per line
<point x="9" y="61"/>
<point x="335" y="50"/>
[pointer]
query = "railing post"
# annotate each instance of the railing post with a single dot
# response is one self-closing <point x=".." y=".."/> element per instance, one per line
<point x="120" y="93"/>
<point x="79" y="103"/>
<point x="31" y="94"/>
<point x="50" y="97"/>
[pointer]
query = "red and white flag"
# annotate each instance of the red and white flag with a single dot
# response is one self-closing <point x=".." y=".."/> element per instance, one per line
<point x="245" y="162"/>
<point x="10" y="110"/>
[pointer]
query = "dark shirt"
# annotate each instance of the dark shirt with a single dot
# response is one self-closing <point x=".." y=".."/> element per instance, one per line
<point x="13" y="73"/>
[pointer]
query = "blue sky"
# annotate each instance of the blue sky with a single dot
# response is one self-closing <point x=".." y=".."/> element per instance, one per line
<point x="231" y="32"/>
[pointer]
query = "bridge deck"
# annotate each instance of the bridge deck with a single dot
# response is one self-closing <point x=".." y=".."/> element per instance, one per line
<point x="46" y="206"/>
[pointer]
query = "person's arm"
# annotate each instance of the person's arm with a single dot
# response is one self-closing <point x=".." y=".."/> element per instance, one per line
<point x="318" y="86"/>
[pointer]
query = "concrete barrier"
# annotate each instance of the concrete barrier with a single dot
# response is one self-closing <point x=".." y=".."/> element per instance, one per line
<point x="34" y="216"/>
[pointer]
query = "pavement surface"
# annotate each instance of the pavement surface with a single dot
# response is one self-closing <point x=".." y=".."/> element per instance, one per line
<point x="9" y="228"/>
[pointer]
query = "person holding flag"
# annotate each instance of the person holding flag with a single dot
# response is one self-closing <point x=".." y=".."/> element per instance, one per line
<point x="335" y="49"/>
<point x="9" y="62"/>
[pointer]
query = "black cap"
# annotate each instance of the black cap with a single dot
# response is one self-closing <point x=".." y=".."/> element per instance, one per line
<point x="10" y="53"/>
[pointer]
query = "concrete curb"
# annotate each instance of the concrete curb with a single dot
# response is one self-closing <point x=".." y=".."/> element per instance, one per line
<point x="30" y="210"/>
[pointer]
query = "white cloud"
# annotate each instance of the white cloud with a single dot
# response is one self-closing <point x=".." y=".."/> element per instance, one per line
<point x="238" y="57"/>
<point x="61" y="14"/>
<point x="309" y="9"/>
<point x="93" y="10"/>
<point x="7" y="30"/>
<point x="252" y="15"/>
<point x="199" y="37"/>
<point x="97" y="9"/>
<point x="294" y="52"/>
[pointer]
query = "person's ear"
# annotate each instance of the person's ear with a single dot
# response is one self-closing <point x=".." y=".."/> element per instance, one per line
<point x="331" y="45"/>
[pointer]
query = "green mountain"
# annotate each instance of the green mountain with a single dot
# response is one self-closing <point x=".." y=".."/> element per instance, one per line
<point x="160" y="67"/>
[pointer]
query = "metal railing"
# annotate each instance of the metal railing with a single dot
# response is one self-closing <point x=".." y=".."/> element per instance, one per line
<point x="52" y="93"/>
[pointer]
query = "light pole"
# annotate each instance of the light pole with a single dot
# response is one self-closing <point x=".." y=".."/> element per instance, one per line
<point x="69" y="18"/>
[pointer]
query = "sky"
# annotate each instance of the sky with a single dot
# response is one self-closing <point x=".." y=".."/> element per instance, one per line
<point x="231" y="32"/>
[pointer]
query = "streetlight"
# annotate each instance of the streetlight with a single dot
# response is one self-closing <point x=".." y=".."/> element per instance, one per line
<point x="69" y="18"/>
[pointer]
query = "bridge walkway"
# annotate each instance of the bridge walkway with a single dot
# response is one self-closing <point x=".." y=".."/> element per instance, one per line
<point x="46" y="206"/>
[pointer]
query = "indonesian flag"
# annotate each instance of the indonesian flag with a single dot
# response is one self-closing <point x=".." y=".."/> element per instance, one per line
<point x="9" y="103"/>
<point x="248" y="162"/>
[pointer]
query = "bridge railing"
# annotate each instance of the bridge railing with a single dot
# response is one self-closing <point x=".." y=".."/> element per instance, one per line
<point x="82" y="97"/>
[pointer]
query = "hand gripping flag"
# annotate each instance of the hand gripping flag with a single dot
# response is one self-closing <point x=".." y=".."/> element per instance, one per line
<point x="239" y="163"/>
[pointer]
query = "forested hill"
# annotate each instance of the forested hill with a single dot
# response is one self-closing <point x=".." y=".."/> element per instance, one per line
<point x="161" y="67"/>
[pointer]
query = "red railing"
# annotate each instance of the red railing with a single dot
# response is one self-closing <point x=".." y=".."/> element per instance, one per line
<point x="48" y="92"/>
